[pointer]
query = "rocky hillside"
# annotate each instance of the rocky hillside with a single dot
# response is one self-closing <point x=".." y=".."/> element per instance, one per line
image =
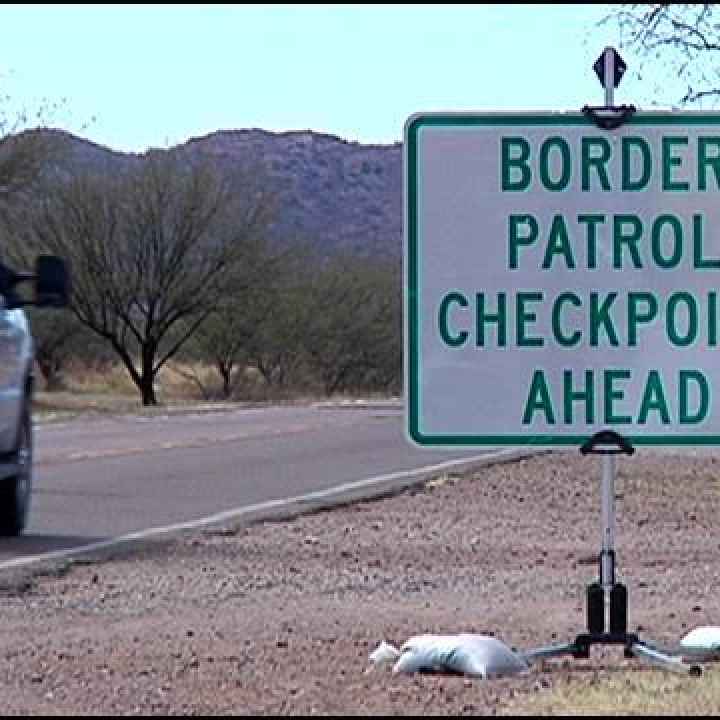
<point x="334" y="194"/>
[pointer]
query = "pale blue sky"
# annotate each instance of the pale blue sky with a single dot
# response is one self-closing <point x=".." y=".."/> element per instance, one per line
<point x="155" y="75"/>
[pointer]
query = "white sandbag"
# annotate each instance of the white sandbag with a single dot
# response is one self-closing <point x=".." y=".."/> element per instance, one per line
<point x="478" y="655"/>
<point x="702" y="641"/>
<point x="487" y="657"/>
<point x="384" y="653"/>
<point x="425" y="652"/>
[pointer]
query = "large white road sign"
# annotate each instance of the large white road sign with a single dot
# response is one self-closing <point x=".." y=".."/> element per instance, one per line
<point x="562" y="279"/>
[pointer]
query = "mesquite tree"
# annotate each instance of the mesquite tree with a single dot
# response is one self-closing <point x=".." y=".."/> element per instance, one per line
<point x="152" y="252"/>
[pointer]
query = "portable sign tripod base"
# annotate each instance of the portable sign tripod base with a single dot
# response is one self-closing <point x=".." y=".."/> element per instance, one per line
<point x="615" y="632"/>
<point x="610" y="68"/>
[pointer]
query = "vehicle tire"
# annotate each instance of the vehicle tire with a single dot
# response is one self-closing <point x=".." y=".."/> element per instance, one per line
<point x="15" y="491"/>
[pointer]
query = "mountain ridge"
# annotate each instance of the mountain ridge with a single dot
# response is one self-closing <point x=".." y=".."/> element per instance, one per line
<point x="336" y="194"/>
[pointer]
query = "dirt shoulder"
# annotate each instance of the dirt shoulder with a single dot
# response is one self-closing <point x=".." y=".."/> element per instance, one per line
<point x="279" y="618"/>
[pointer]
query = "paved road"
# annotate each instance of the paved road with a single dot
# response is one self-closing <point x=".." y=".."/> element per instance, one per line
<point x="102" y="478"/>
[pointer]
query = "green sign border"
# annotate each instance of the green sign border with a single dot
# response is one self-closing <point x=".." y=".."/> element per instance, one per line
<point x="412" y="253"/>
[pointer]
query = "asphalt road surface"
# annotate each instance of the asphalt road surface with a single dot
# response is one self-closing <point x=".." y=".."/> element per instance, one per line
<point x="102" y="478"/>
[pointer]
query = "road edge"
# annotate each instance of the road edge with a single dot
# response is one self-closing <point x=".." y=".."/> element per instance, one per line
<point x="236" y="519"/>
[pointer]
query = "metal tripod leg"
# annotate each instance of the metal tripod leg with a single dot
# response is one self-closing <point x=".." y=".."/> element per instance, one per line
<point x="549" y="652"/>
<point x="639" y="649"/>
<point x="665" y="661"/>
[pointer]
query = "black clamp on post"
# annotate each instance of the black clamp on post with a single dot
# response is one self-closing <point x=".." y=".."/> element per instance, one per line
<point x="609" y="118"/>
<point x="597" y="444"/>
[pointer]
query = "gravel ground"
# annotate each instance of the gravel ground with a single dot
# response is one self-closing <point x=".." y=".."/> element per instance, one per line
<point x="280" y="617"/>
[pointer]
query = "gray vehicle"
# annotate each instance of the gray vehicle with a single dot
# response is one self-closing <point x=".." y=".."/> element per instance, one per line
<point x="50" y="288"/>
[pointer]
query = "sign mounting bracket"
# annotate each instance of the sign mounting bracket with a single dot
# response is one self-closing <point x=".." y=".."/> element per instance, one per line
<point x="609" y="68"/>
<point x="609" y="118"/>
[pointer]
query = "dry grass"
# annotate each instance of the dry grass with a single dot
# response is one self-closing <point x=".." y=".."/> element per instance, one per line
<point x="109" y="390"/>
<point x="641" y="692"/>
<point x="112" y="379"/>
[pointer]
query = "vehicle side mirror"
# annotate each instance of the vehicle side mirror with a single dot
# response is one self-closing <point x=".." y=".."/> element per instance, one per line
<point x="52" y="282"/>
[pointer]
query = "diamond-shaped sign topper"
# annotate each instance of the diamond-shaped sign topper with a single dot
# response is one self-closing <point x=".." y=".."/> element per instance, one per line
<point x="620" y="67"/>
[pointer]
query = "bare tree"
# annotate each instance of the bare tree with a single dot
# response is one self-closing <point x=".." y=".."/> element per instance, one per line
<point x="221" y="341"/>
<point x="27" y="156"/>
<point x="352" y="323"/>
<point x="257" y="324"/>
<point x="679" y="43"/>
<point x="152" y="253"/>
<point x="277" y="348"/>
<point x="58" y="336"/>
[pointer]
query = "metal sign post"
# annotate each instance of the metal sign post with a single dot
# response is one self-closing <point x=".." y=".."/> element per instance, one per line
<point x="607" y="600"/>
